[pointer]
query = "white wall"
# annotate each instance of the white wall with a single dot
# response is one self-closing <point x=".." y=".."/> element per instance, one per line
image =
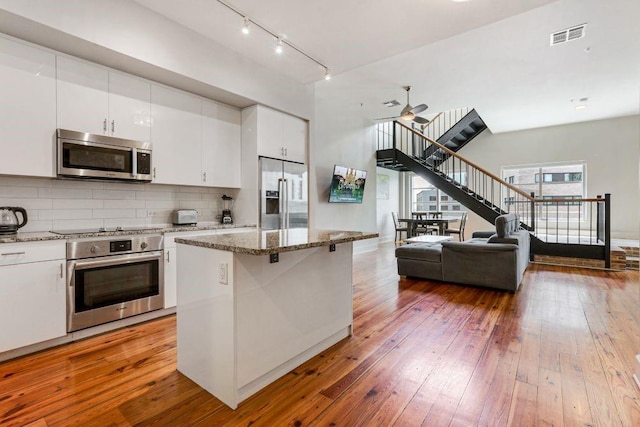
<point x="58" y="204"/>
<point x="153" y="45"/>
<point x="610" y="148"/>
<point x="341" y="136"/>
<point x="384" y="207"/>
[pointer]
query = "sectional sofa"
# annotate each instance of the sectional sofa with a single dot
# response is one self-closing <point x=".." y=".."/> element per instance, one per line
<point x="494" y="259"/>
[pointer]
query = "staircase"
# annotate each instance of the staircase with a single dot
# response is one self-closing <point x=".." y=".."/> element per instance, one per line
<point x="404" y="149"/>
<point x="453" y="130"/>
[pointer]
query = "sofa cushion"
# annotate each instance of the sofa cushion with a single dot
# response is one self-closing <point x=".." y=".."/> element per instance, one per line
<point x="507" y="224"/>
<point x="420" y="251"/>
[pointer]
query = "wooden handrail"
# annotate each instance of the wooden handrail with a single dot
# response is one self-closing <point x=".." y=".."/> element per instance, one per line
<point x="551" y="201"/>
<point x="432" y="121"/>
<point x="454" y="154"/>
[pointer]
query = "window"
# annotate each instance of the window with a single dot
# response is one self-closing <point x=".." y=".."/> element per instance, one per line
<point x="425" y="197"/>
<point x="565" y="201"/>
<point x="510" y="179"/>
<point x="551" y="182"/>
<point x="558" y="177"/>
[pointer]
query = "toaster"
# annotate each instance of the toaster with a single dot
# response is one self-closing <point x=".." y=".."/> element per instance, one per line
<point x="185" y="217"/>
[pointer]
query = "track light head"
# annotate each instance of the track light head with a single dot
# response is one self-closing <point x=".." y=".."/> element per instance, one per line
<point x="245" y="28"/>
<point x="327" y="75"/>
<point x="279" y="48"/>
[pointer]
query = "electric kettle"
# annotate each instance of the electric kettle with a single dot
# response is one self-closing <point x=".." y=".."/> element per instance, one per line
<point x="9" y="220"/>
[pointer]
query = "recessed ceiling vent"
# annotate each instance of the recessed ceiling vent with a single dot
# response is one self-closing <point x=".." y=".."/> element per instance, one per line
<point x="573" y="33"/>
<point x="393" y="103"/>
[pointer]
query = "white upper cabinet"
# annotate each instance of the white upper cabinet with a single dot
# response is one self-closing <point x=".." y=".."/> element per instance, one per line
<point x="95" y="100"/>
<point x="295" y="138"/>
<point x="176" y="136"/>
<point x="129" y="107"/>
<point x="221" y="133"/>
<point x="27" y="110"/>
<point x="281" y="136"/>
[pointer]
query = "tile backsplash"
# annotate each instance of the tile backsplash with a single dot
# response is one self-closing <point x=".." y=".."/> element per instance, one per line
<point x="57" y="204"/>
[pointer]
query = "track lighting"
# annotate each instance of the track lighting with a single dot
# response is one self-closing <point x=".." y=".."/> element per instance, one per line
<point x="280" y="42"/>
<point x="245" y="28"/>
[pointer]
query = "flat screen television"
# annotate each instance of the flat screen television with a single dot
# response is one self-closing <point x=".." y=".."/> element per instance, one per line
<point x="347" y="185"/>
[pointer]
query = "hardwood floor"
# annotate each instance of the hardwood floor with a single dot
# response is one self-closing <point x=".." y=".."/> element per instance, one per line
<point x="559" y="352"/>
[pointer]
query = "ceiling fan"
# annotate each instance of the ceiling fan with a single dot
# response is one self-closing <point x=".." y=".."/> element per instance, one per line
<point x="409" y="112"/>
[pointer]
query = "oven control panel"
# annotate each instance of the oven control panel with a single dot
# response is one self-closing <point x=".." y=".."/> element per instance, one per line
<point x="92" y="247"/>
<point x="119" y="246"/>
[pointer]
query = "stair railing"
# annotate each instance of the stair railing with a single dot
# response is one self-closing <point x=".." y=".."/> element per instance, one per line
<point x="442" y="122"/>
<point x="571" y="221"/>
<point x="493" y="191"/>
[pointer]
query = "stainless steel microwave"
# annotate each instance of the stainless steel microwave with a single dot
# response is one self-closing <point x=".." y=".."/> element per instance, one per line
<point x="84" y="155"/>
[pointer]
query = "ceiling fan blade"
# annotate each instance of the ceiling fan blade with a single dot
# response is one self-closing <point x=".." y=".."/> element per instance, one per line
<point x="420" y="120"/>
<point x="388" y="118"/>
<point x="419" y="108"/>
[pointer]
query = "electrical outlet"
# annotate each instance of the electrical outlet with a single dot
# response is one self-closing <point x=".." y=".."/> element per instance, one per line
<point x="222" y="274"/>
<point x="151" y="213"/>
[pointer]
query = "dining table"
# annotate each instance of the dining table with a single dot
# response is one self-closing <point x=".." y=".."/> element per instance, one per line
<point x="413" y="223"/>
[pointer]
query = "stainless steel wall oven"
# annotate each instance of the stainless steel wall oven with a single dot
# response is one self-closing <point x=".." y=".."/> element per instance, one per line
<point x="112" y="278"/>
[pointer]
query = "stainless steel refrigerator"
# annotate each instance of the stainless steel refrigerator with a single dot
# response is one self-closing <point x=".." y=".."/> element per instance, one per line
<point x="284" y="201"/>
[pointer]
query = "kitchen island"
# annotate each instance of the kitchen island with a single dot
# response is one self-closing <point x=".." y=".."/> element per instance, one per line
<point x="252" y="306"/>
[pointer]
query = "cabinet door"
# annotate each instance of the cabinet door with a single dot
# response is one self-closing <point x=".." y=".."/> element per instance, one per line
<point x="220" y="145"/>
<point x="270" y="133"/>
<point x="83" y="99"/>
<point x="176" y="136"/>
<point x="170" y="273"/>
<point x="295" y="139"/>
<point x="32" y="302"/>
<point x="129" y="107"/>
<point x="27" y="110"/>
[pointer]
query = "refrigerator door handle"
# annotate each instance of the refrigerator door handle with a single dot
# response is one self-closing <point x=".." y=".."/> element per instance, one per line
<point x="286" y="202"/>
<point x="280" y="203"/>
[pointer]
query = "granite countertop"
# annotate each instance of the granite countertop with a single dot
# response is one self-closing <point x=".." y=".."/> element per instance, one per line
<point x="45" y="235"/>
<point x="261" y="242"/>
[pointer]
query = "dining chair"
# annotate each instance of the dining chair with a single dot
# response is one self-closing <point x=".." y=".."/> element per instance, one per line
<point x="399" y="228"/>
<point x="459" y="231"/>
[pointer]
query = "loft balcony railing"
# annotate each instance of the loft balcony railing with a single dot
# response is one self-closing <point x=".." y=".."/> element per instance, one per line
<point x="442" y="122"/>
<point x="582" y="221"/>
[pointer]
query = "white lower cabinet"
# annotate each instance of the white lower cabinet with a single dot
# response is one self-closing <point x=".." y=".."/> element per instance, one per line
<point x="32" y="293"/>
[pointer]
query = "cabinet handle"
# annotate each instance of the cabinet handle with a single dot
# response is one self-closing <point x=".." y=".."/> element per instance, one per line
<point x="204" y="177"/>
<point x="113" y="126"/>
<point x="61" y="271"/>
<point x="13" y="253"/>
<point x="104" y="125"/>
<point x="154" y="173"/>
<point x="282" y="151"/>
<point x="168" y="256"/>
<point x="285" y="152"/>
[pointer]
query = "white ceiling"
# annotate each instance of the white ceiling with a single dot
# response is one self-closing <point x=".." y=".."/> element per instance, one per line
<point x="493" y="55"/>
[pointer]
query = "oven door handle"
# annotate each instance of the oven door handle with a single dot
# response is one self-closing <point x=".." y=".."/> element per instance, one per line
<point x="113" y="260"/>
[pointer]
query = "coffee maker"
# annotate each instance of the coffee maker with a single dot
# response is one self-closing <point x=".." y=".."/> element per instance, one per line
<point x="227" y="204"/>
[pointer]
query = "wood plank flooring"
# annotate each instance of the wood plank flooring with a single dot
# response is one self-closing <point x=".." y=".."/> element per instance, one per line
<point x="560" y="352"/>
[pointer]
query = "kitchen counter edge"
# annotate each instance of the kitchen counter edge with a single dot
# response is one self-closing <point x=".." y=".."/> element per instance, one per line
<point x="206" y="243"/>
<point x="43" y="236"/>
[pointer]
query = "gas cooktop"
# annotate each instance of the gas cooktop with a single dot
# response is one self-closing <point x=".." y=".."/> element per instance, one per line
<point x="104" y="230"/>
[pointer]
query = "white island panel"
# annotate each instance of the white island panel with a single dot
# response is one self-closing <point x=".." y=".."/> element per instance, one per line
<point x="205" y="322"/>
<point x="235" y="339"/>
<point x="286" y="308"/>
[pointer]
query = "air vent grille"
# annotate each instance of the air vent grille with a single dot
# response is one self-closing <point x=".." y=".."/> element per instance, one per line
<point x="569" y="34"/>
<point x="392" y="103"/>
